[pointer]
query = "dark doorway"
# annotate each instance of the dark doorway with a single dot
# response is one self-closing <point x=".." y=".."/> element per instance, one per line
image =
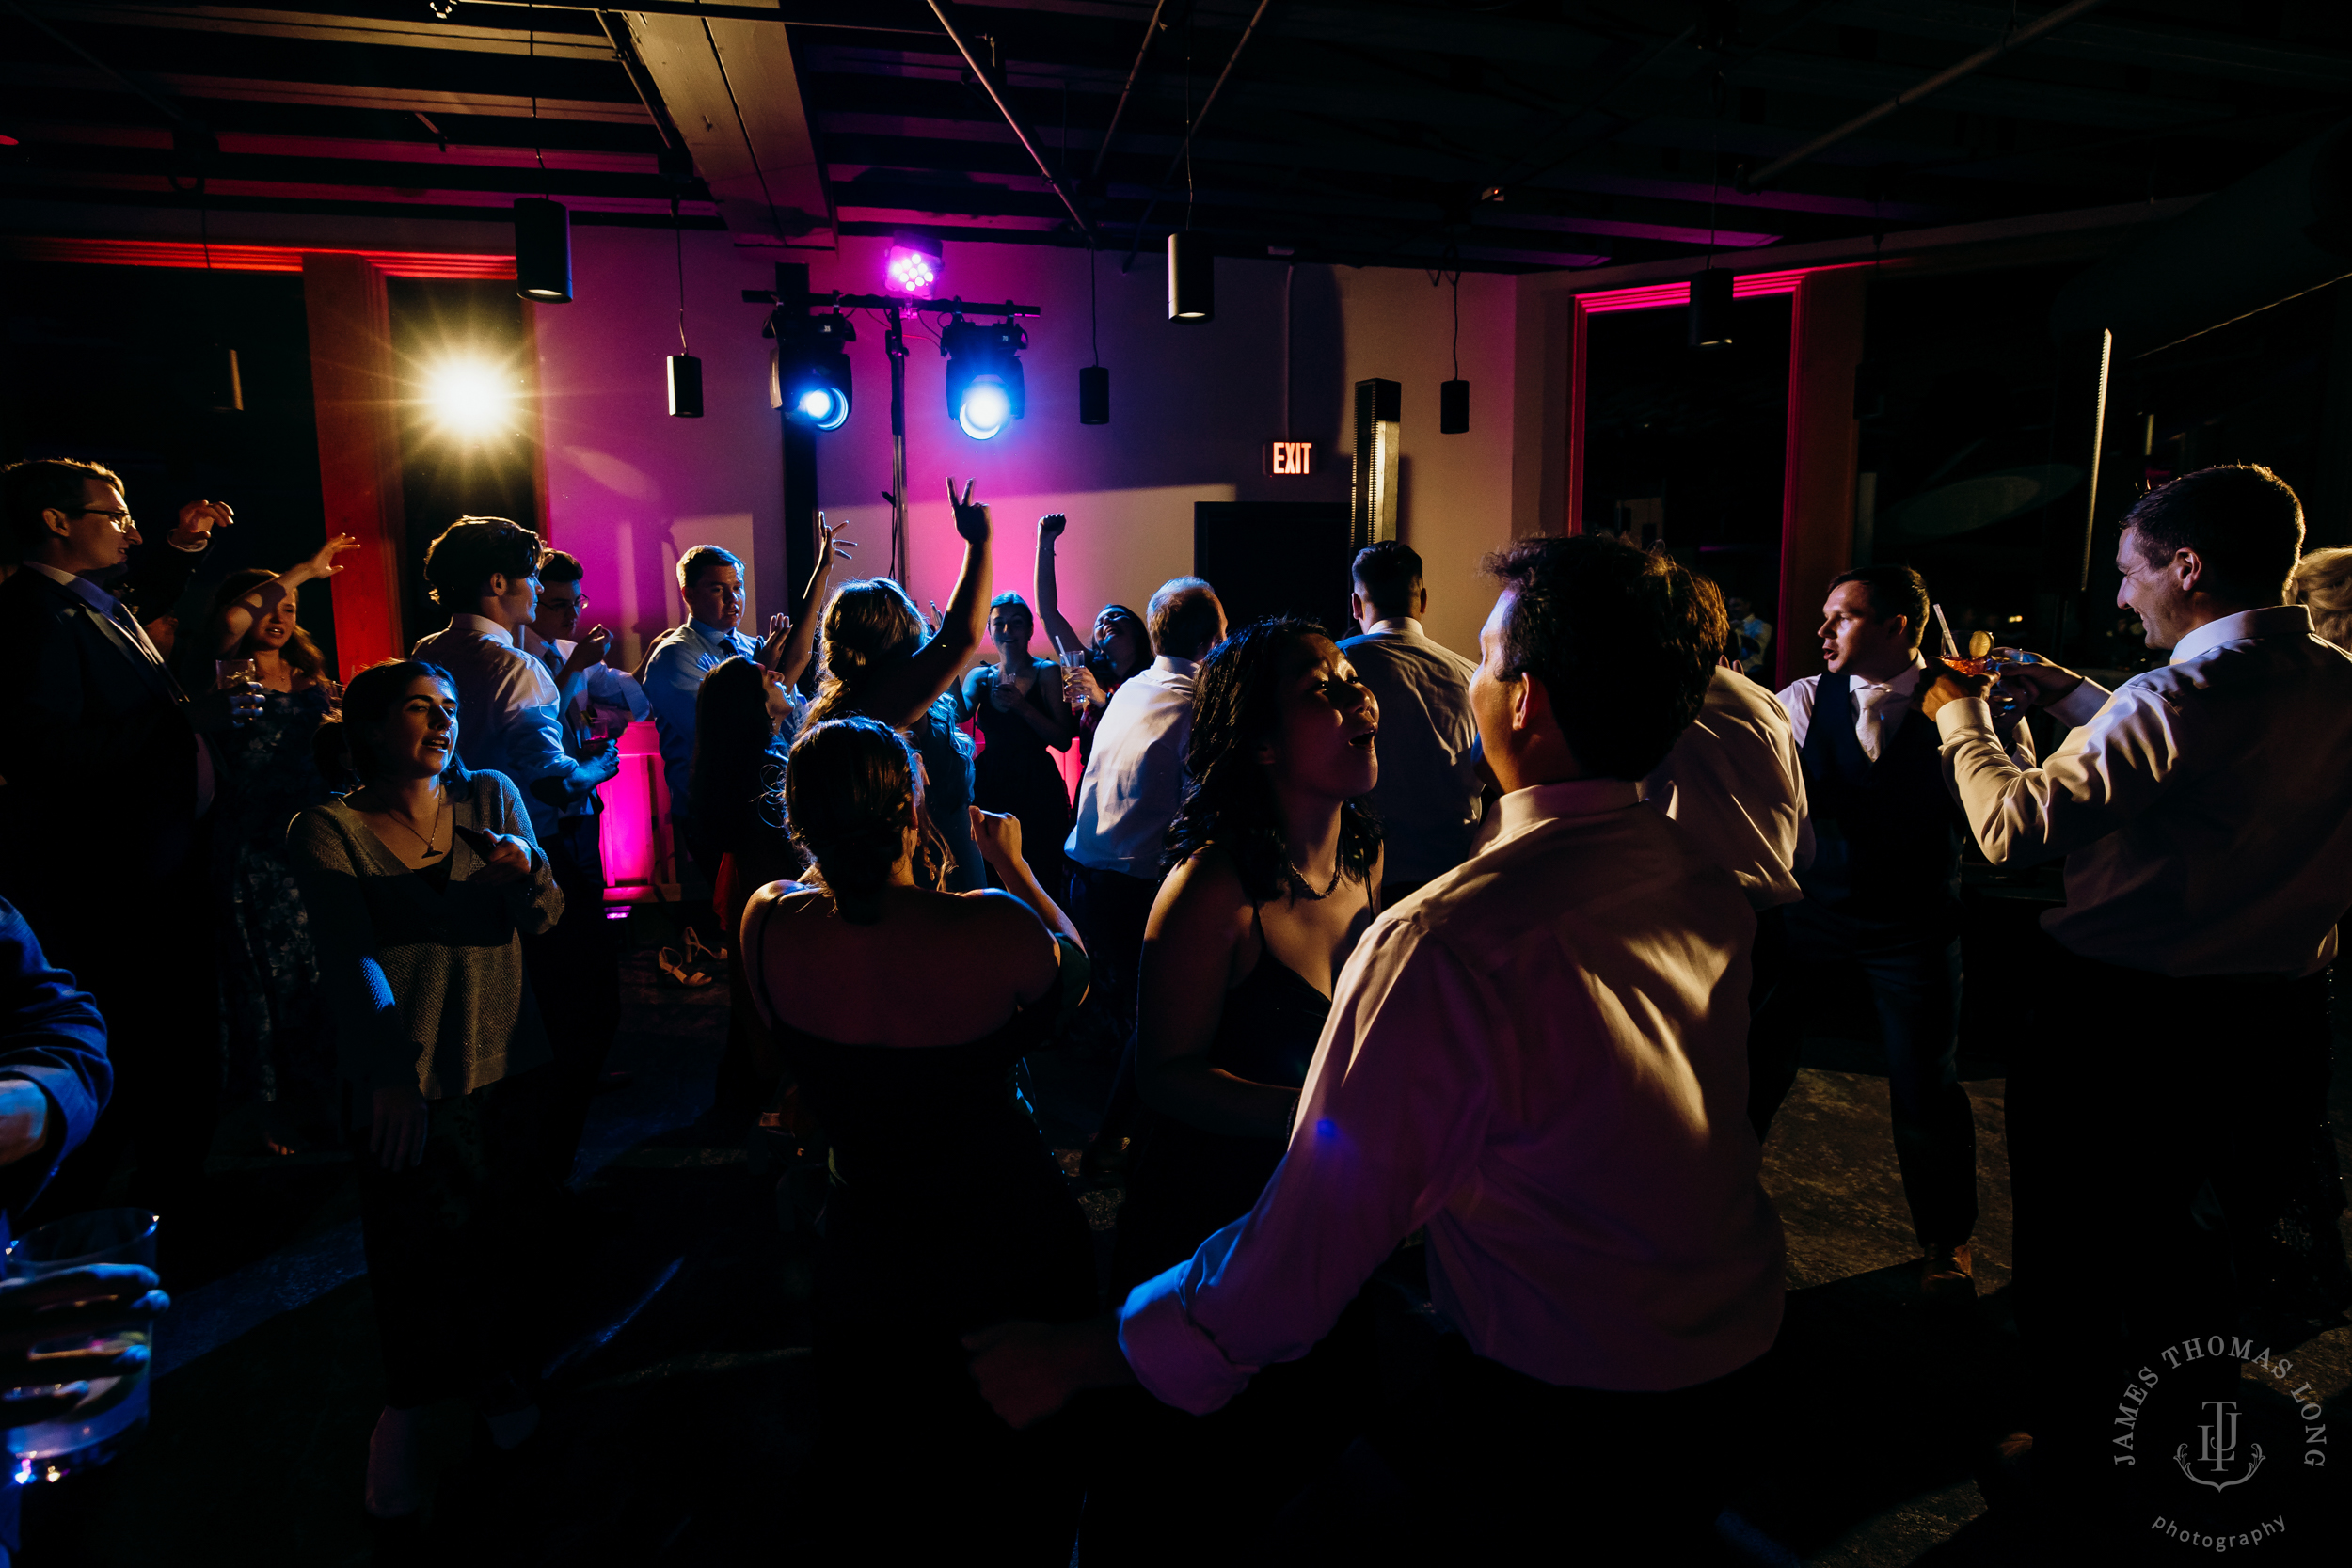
<point x="1275" y="558"/>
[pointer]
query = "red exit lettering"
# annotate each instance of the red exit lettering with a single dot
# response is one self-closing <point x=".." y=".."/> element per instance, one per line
<point x="1290" y="457"/>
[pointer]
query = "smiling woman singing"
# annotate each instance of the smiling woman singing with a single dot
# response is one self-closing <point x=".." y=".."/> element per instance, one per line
<point x="420" y="885"/>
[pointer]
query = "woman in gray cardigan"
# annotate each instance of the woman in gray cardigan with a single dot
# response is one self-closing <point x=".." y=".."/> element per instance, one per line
<point x="420" y="885"/>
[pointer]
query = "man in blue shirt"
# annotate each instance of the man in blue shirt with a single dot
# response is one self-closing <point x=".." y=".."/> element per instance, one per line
<point x="710" y="580"/>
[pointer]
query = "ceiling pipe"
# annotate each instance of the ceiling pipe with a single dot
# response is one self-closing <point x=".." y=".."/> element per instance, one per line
<point x="2010" y="43"/>
<point x="1012" y="116"/>
<point x="1134" y="74"/>
<point x="1185" y="146"/>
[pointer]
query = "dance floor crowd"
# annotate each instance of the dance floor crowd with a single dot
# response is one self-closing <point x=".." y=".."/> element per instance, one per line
<point x="1446" y="998"/>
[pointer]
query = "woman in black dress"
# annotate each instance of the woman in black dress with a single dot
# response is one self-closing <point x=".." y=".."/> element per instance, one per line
<point x="880" y="663"/>
<point x="1018" y="703"/>
<point x="1274" y="874"/>
<point x="901" y="1010"/>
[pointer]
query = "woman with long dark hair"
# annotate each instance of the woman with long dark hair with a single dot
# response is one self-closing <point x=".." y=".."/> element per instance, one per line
<point x="1121" y="643"/>
<point x="275" y="1036"/>
<point x="420" y="885"/>
<point x="882" y="661"/>
<point x="743" y="716"/>
<point x="1017" y="702"/>
<point x="901" y="1010"/>
<point x="1275" y="873"/>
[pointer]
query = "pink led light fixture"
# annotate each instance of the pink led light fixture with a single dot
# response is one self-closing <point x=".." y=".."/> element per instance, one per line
<point x="912" y="266"/>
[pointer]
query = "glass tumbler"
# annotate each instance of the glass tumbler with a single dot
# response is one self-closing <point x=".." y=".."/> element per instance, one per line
<point x="110" y="1411"/>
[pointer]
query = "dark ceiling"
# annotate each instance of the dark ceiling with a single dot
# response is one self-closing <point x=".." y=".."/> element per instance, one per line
<point x="1514" y="135"/>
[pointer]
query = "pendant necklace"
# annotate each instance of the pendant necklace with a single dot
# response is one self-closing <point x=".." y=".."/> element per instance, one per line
<point x="1299" y="885"/>
<point x="430" y="853"/>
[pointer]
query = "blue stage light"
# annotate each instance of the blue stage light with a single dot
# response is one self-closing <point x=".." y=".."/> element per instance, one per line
<point x="810" y="376"/>
<point x="985" y="385"/>
<point x="985" y="408"/>
<point x="824" y="407"/>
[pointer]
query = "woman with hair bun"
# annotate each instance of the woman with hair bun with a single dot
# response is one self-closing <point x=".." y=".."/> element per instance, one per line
<point x="901" y="1010"/>
<point x="882" y="661"/>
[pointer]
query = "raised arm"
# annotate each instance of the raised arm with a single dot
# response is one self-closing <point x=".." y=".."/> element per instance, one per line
<point x="900" y="696"/>
<point x="800" y="642"/>
<point x="1201" y="915"/>
<point x="237" y="619"/>
<point x="1047" y="588"/>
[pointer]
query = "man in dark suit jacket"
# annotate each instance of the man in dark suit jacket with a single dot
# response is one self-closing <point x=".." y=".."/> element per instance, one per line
<point x="108" y="780"/>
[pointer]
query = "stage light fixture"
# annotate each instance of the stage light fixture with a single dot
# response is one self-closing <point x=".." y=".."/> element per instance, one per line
<point x="1094" y="394"/>
<point x="913" y="265"/>
<point x="469" y="399"/>
<point x="1454" y="408"/>
<point x="543" y="250"/>
<point x="985" y="386"/>
<point x="809" y="378"/>
<point x="1710" y="310"/>
<point x="1191" y="278"/>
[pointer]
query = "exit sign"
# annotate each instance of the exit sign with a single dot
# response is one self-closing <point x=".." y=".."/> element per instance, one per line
<point x="1286" y="458"/>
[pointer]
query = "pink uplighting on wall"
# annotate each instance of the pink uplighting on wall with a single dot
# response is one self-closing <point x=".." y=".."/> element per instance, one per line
<point x="633" y="833"/>
<point x="1653" y="296"/>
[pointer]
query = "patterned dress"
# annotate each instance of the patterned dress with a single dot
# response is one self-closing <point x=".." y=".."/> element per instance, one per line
<point x="273" y="1026"/>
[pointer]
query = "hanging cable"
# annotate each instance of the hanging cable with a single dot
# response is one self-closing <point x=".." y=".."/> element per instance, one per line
<point x="531" y="73"/>
<point x="1094" y="305"/>
<point x="1457" y="321"/>
<point x="677" y="231"/>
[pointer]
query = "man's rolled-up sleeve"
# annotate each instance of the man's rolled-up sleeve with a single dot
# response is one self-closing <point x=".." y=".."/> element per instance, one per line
<point x="1391" y="1120"/>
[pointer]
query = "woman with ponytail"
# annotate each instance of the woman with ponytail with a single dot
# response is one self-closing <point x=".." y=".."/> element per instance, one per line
<point x="901" y="1009"/>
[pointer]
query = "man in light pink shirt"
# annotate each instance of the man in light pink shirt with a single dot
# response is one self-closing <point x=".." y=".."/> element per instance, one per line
<point x="1540" y="1059"/>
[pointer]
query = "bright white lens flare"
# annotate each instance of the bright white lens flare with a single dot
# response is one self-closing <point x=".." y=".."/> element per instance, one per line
<point x="824" y="407"/>
<point x="985" y="408"/>
<point x="469" y="399"/>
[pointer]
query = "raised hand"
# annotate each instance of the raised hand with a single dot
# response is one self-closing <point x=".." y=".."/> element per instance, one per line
<point x="970" y="521"/>
<point x="197" y="518"/>
<point x="998" y="835"/>
<point x="829" y="544"/>
<point x="1051" y="525"/>
<point x="771" y="646"/>
<point x="323" y="564"/>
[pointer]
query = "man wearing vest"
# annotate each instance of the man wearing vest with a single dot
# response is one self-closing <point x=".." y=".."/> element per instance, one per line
<point x="1883" y="893"/>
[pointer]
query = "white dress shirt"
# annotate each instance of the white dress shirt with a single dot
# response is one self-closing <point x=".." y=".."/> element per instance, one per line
<point x="1542" y="1057"/>
<point x="1736" y="784"/>
<point x="1428" y="795"/>
<point x="2204" y="809"/>
<point x="506" y="711"/>
<point x="1135" y="779"/>
<point x="1879" y="709"/>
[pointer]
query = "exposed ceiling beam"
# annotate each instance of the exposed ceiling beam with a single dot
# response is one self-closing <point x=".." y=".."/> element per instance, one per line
<point x="2115" y="40"/>
<point x="419" y="32"/>
<point x="336" y="95"/>
<point x="2015" y="38"/>
<point x="732" y="92"/>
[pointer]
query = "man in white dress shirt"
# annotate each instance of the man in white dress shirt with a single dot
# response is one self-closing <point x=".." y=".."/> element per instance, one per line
<point x="2179" y="1044"/>
<point x="1429" y="792"/>
<point x="1882" y="846"/>
<point x="1134" y="784"/>
<point x="1541" y="1059"/>
<point x="486" y="572"/>
<point x="1734" y="784"/>
<point x="596" y="701"/>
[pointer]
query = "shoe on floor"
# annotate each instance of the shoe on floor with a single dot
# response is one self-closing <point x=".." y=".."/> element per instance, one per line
<point x="1948" y="1272"/>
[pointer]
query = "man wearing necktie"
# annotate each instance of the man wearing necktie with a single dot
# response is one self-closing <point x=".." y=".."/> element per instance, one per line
<point x="109" y="780"/>
<point x="1882" y="893"/>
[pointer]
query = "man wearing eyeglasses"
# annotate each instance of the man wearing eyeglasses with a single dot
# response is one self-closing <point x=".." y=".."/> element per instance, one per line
<point x="109" y="777"/>
<point x="597" y="701"/>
